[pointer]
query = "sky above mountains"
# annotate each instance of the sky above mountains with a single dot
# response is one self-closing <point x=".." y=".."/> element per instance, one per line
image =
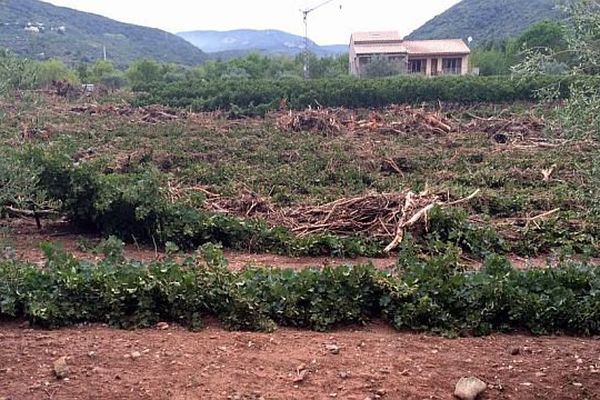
<point x="331" y="24"/>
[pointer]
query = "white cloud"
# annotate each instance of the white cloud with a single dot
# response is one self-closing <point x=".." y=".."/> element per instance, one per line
<point x="328" y="25"/>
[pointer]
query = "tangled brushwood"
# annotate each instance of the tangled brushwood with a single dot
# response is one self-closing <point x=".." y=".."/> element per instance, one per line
<point x="386" y="216"/>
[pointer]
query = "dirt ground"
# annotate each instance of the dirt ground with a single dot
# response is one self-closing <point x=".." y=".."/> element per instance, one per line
<point x="373" y="362"/>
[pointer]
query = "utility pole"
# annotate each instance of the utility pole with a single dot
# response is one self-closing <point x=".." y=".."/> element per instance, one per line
<point x="305" y="14"/>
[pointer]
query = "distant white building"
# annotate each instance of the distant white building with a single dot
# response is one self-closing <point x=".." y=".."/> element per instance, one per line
<point x="424" y="57"/>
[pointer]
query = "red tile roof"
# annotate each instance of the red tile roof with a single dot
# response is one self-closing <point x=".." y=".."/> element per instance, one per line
<point x="386" y="42"/>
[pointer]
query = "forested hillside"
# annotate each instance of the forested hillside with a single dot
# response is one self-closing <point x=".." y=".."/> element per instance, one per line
<point x="487" y="20"/>
<point x="40" y="30"/>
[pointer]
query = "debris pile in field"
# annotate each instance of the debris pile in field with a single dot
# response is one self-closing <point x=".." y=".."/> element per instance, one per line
<point x="248" y="204"/>
<point x="64" y="88"/>
<point x="504" y="130"/>
<point x="385" y="216"/>
<point x="374" y="213"/>
<point x="396" y="119"/>
<point x="150" y="114"/>
<point x="322" y="120"/>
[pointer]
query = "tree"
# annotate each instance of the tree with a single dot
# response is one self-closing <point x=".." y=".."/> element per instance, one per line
<point x="15" y="73"/>
<point x="54" y="70"/>
<point x="544" y="35"/>
<point x="101" y="69"/>
<point x="104" y="73"/>
<point x="583" y="35"/>
<point x="492" y="62"/>
<point x="580" y="115"/>
<point x="83" y="71"/>
<point x="144" y="72"/>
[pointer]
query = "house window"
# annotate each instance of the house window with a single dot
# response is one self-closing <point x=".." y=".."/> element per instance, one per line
<point x="452" y="66"/>
<point x="417" y="66"/>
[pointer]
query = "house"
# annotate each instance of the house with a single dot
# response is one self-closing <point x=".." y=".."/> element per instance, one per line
<point x="424" y="57"/>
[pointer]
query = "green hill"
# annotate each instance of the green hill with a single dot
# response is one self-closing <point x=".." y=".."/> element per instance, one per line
<point x="40" y="30"/>
<point x="486" y="20"/>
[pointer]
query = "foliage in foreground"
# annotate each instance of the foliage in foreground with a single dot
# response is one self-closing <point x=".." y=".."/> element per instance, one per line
<point x="433" y="295"/>
<point x="580" y="114"/>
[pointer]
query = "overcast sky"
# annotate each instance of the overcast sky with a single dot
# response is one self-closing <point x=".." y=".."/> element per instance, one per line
<point x="328" y="25"/>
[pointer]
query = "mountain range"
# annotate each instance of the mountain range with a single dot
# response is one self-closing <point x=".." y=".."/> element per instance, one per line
<point x="487" y="20"/>
<point x="227" y="44"/>
<point x="40" y="30"/>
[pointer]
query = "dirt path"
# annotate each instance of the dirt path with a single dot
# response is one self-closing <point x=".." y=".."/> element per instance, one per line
<point x="373" y="362"/>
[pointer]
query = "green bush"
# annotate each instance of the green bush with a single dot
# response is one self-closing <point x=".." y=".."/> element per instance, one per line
<point x="135" y="207"/>
<point x="433" y="295"/>
<point x="263" y="95"/>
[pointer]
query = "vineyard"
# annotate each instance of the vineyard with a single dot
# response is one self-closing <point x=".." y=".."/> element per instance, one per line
<point x="459" y="217"/>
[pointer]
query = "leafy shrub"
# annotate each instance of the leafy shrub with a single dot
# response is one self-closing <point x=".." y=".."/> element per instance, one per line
<point x="240" y="95"/>
<point x="134" y="207"/>
<point x="433" y="295"/>
<point x="452" y="226"/>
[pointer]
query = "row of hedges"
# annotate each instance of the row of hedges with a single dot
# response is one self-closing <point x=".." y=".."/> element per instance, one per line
<point x="259" y="96"/>
<point x="433" y="295"/>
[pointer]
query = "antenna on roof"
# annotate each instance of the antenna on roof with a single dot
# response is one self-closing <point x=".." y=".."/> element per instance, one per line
<point x="470" y="39"/>
<point x="305" y="12"/>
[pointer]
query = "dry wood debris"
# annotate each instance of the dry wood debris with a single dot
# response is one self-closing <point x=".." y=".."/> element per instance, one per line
<point x="385" y="216"/>
<point x="397" y="119"/>
<point x="151" y="114"/>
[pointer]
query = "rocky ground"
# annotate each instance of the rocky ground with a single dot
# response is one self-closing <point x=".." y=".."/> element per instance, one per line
<point x="372" y="362"/>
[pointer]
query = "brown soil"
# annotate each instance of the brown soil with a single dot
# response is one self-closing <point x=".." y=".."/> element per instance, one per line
<point x="373" y="362"/>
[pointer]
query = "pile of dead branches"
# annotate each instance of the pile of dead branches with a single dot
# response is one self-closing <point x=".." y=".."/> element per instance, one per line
<point x="379" y="216"/>
<point x="150" y="114"/>
<point x="395" y="120"/>
<point x="247" y="204"/>
<point x="324" y="121"/>
<point x="504" y="129"/>
<point x="375" y="215"/>
<point x="383" y="216"/>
